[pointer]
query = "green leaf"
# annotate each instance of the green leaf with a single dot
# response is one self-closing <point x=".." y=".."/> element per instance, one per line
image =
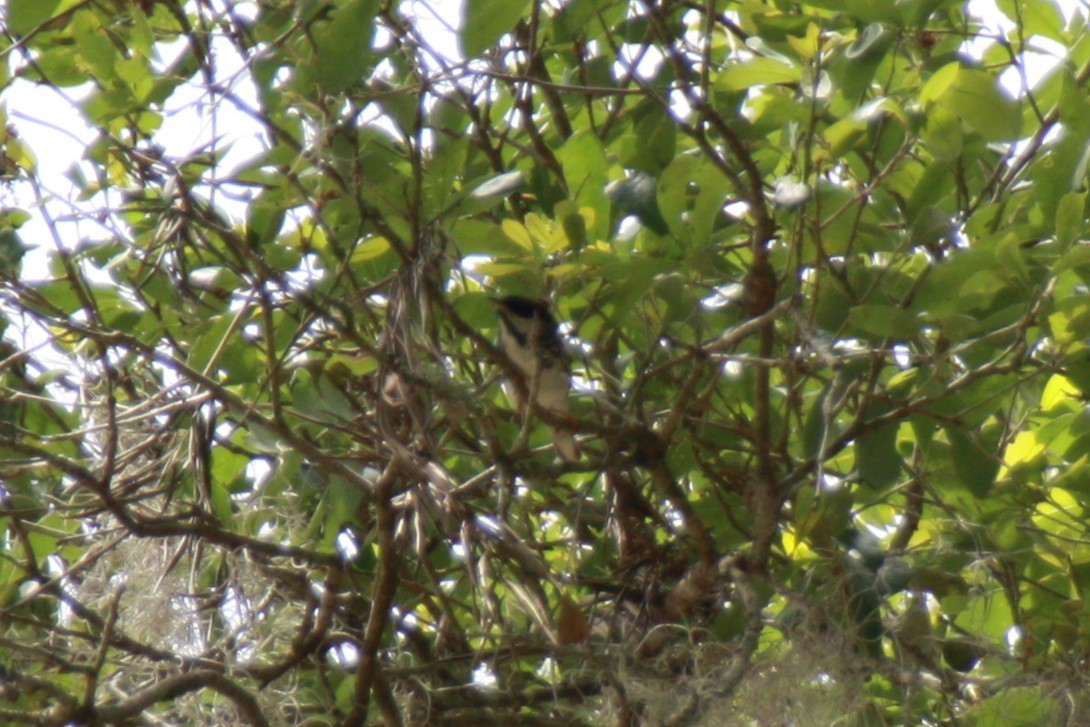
<point x="265" y="217"/>
<point x="484" y="21"/>
<point x="24" y="16"/>
<point x="95" y="47"/>
<point x="517" y="233"/>
<point x="136" y="74"/>
<point x="844" y="135"/>
<point x="975" y="97"/>
<point x="318" y="396"/>
<point x="884" y="321"/>
<point x="974" y="464"/>
<point x="228" y="466"/>
<point x="221" y="502"/>
<point x="1070" y="218"/>
<point x="1017" y="706"/>
<point x="757" y="72"/>
<point x="876" y="457"/>
<point x="344" y="501"/>
<point x="282" y="255"/>
<point x="1035" y="17"/>
<point x="207" y="345"/>
<point x="370" y="249"/>
<point x="871" y="41"/>
<point x="814" y="427"/>
<point x="583" y="159"/>
<point x="864" y="605"/>
<point x="58" y="294"/>
<point x="571" y="19"/>
<point x="931" y="227"/>
<point x="652" y="142"/>
<point x="942" y="134"/>
<point x="575" y="223"/>
<point x="637" y="195"/>
<point x="691" y="192"/>
<point x="12" y="250"/>
<point x="475" y="237"/>
<point x="866" y="11"/>
<point x="341" y="54"/>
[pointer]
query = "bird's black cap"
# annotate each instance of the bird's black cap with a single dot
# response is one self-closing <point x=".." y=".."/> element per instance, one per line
<point x="522" y="307"/>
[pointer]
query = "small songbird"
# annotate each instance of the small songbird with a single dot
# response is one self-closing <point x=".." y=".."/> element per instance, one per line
<point x="530" y="338"/>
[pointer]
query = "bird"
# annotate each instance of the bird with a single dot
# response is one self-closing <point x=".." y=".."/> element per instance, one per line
<point x="530" y="337"/>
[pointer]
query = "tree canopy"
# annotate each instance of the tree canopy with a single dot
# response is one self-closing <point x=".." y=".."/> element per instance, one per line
<point x="822" y="270"/>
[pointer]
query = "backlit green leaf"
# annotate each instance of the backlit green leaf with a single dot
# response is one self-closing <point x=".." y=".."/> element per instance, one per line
<point x="975" y="97"/>
<point x="757" y="72"/>
<point x="484" y="21"/>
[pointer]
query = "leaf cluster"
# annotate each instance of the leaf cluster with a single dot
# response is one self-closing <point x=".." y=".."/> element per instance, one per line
<point x="822" y="274"/>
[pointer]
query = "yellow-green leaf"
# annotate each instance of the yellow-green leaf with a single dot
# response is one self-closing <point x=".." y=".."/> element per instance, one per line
<point x="370" y="249"/>
<point x="517" y="233"/>
<point x="757" y="72"/>
<point x="1059" y="391"/>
